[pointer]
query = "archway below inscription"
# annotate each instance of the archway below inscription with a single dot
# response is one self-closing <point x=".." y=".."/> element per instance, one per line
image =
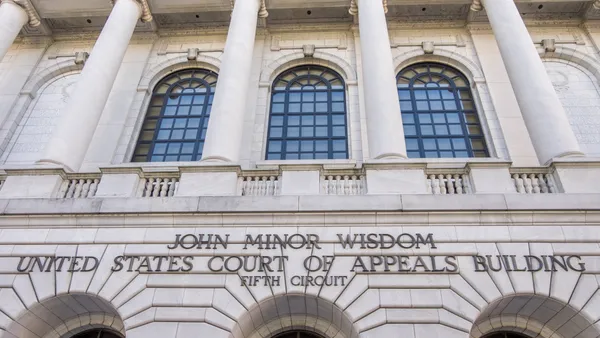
<point x="67" y="316"/>
<point x="527" y="315"/>
<point x="280" y="316"/>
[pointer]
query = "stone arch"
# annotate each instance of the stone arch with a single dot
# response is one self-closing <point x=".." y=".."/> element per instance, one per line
<point x="65" y="315"/>
<point x="153" y="76"/>
<point x="462" y="63"/>
<point x="294" y="312"/>
<point x="39" y="80"/>
<point x="574" y="58"/>
<point x="272" y="70"/>
<point x="534" y="316"/>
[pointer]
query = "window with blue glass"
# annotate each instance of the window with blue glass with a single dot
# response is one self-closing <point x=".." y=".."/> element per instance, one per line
<point x="308" y="115"/>
<point x="175" y="126"/>
<point x="438" y="113"/>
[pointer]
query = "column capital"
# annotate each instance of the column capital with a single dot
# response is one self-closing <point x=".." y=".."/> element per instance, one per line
<point x="34" y="17"/>
<point x="597" y="4"/>
<point x="353" y="10"/>
<point x="262" y="12"/>
<point x="146" y="13"/>
<point x="476" y="6"/>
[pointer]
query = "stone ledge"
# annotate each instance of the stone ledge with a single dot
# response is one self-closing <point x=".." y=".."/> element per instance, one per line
<point x="321" y="203"/>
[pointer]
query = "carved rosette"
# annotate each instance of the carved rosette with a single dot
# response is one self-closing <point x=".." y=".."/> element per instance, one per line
<point x="146" y="13"/>
<point x="353" y="10"/>
<point x="34" y="17"/>
<point x="476" y="6"/>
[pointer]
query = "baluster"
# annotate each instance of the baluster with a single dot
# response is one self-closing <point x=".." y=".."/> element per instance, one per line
<point x="527" y="183"/>
<point x="277" y="187"/>
<point x="543" y="185"/>
<point x="340" y="185"/>
<point x="164" y="187"/>
<point x="149" y="185"/>
<point x="534" y="184"/>
<point x="443" y="189"/>
<point x="62" y="192"/>
<point x="519" y="183"/>
<point x="172" y="187"/>
<point x="551" y="185"/>
<point x="265" y="179"/>
<point x="86" y="188"/>
<point x="271" y="186"/>
<point x="450" y="184"/>
<point x="428" y="184"/>
<point x="459" y="184"/>
<point x="78" y="188"/>
<point x="330" y="186"/>
<point x="354" y="185"/>
<point x="435" y="185"/>
<point x="346" y="185"/>
<point x="93" y="187"/>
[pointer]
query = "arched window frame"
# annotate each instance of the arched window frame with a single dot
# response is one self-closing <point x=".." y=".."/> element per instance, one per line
<point x="334" y="128"/>
<point x="155" y="104"/>
<point x="506" y="334"/>
<point x="467" y="123"/>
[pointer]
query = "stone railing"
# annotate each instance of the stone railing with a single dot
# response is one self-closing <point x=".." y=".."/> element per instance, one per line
<point x="400" y="177"/>
<point x="157" y="186"/>
<point x="83" y="187"/>
<point x="534" y="181"/>
<point x="258" y="184"/>
<point x="448" y="183"/>
<point x="343" y="184"/>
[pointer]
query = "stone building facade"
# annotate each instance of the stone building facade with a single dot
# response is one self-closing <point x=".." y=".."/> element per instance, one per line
<point x="284" y="168"/>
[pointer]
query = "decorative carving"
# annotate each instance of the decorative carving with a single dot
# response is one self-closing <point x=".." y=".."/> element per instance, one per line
<point x="353" y="10"/>
<point x="308" y="50"/>
<point x="476" y="6"/>
<point x="192" y="54"/>
<point x="146" y="13"/>
<point x="277" y="43"/>
<point x="263" y="13"/>
<point x="549" y="45"/>
<point x="428" y="47"/>
<point x="80" y="57"/>
<point x="34" y="17"/>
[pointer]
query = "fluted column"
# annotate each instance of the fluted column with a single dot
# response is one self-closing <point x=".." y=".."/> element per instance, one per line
<point x="12" y="18"/>
<point x="226" y="124"/>
<point x="74" y="133"/>
<point x="542" y="110"/>
<point x="384" y="121"/>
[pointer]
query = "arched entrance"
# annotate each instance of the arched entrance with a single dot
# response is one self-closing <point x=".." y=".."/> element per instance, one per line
<point x="97" y="334"/>
<point x="506" y="335"/>
<point x="295" y="316"/>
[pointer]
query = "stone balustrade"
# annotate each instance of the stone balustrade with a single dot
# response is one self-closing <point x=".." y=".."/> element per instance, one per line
<point x="534" y="181"/>
<point x="84" y="187"/>
<point x="258" y="184"/>
<point x="374" y="178"/>
<point x="456" y="183"/>
<point x="343" y="184"/>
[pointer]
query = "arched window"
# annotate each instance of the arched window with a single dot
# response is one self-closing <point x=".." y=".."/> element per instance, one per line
<point x="308" y="115"/>
<point x="176" y="122"/>
<point x="438" y="113"/>
<point x="506" y="335"/>
<point x="298" y="334"/>
<point x="97" y="334"/>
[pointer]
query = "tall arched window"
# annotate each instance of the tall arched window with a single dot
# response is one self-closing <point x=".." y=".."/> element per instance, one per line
<point x="298" y="334"/>
<point x="176" y="122"/>
<point x="438" y="113"/>
<point x="308" y="115"/>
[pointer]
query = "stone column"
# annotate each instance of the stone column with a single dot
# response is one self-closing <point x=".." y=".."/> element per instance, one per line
<point x="226" y="124"/>
<point x="12" y="18"/>
<point x="74" y="133"/>
<point x="384" y="121"/>
<point x="543" y="112"/>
